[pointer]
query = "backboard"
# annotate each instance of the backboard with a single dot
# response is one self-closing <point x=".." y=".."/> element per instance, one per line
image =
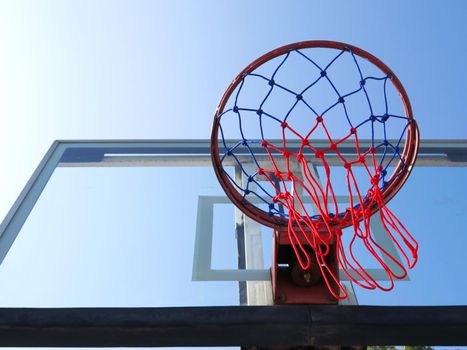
<point x="132" y="224"/>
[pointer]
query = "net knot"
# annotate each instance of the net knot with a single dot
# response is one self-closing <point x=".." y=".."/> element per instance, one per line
<point x="271" y="82"/>
<point x="286" y="154"/>
<point x="385" y="117"/>
<point x="341" y="100"/>
<point x="264" y="143"/>
<point x="375" y="180"/>
<point x="319" y="154"/>
<point x="319" y="119"/>
<point x="323" y="73"/>
<point x="333" y="147"/>
<point x="361" y="159"/>
<point x="284" y="124"/>
<point x="372" y="150"/>
<point x="347" y="213"/>
<point x="281" y="195"/>
<point x="347" y="165"/>
<point x="305" y="142"/>
<point x="299" y="97"/>
<point x="235" y="109"/>
<point x="260" y="171"/>
<point x="259" y="112"/>
<point x="353" y="131"/>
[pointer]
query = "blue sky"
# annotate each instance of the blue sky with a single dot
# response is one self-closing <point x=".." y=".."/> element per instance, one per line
<point x="157" y="69"/>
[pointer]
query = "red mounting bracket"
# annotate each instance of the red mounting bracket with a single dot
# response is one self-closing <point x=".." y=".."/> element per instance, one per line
<point x="293" y="285"/>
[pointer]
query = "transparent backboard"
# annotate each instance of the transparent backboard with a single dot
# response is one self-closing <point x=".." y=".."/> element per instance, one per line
<point x="146" y="223"/>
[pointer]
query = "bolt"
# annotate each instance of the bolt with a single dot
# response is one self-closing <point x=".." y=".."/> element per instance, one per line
<point x="307" y="277"/>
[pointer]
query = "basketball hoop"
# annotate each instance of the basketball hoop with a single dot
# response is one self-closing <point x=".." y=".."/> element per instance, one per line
<point x="317" y="112"/>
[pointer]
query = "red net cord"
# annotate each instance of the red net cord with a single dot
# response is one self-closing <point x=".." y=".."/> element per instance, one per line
<point x="324" y="233"/>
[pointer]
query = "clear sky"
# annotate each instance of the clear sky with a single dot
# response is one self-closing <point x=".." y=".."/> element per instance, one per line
<point x="157" y="69"/>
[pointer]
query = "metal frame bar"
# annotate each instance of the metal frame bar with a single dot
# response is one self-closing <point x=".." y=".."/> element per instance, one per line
<point x="262" y="326"/>
<point x="197" y="152"/>
<point x="28" y="197"/>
